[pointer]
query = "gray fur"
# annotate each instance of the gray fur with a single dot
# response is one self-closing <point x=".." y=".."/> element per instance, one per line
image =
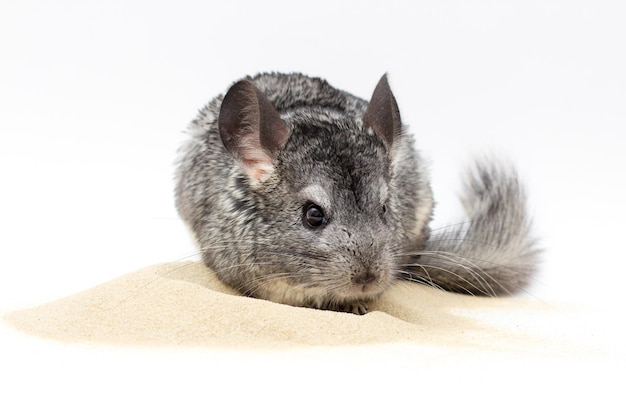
<point x="247" y="213"/>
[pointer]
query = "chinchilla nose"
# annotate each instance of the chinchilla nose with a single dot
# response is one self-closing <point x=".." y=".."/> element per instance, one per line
<point x="368" y="255"/>
<point x="365" y="277"/>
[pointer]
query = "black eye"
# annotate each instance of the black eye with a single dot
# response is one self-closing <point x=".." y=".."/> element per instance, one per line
<point x="383" y="209"/>
<point x="314" y="216"/>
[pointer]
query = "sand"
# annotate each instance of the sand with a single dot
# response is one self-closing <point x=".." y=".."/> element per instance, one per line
<point x="183" y="304"/>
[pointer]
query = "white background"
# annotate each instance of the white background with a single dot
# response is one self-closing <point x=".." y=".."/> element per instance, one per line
<point x="95" y="98"/>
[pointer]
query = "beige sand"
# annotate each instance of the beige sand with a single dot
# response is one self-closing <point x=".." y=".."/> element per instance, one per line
<point x="183" y="304"/>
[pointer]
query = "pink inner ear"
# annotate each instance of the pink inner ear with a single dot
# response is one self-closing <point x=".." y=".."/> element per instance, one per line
<point x="258" y="174"/>
<point x="255" y="160"/>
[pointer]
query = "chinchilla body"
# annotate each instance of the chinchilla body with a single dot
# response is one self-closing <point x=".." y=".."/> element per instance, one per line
<point x="303" y="194"/>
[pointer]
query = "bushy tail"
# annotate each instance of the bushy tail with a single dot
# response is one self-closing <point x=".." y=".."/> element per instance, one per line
<point x="490" y="255"/>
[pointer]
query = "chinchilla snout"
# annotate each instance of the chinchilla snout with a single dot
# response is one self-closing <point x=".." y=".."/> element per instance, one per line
<point x="370" y="262"/>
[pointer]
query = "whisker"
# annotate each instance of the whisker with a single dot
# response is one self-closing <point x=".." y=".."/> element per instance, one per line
<point x="449" y="257"/>
<point x="411" y="277"/>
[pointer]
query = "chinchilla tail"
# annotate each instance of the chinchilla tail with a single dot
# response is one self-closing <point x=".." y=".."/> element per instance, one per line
<point x="493" y="254"/>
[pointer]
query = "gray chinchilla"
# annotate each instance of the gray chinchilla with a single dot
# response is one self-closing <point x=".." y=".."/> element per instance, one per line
<point x="303" y="194"/>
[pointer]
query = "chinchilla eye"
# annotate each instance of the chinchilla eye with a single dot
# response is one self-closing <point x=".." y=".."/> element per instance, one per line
<point x="314" y="216"/>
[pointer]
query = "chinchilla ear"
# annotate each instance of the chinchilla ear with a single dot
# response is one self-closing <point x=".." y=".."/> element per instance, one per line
<point x="251" y="129"/>
<point x="382" y="114"/>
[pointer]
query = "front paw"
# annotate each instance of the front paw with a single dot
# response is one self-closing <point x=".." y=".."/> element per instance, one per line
<point x="356" y="307"/>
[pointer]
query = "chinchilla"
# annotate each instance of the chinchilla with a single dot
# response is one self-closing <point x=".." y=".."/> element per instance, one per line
<point x="304" y="194"/>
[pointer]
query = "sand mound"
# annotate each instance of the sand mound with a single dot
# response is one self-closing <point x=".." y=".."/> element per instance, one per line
<point x="184" y="304"/>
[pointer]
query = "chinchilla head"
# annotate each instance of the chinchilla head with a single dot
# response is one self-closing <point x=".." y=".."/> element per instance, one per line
<point x="328" y="200"/>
